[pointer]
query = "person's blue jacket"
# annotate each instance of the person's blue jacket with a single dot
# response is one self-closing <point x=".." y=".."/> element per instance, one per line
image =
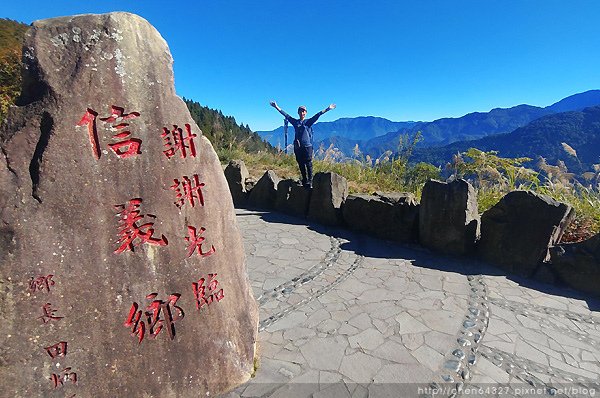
<point x="303" y="129"/>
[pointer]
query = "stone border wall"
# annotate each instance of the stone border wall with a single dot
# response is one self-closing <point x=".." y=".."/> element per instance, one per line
<point x="520" y="234"/>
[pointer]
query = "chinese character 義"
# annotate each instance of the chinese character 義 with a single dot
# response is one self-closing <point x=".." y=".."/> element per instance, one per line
<point x="131" y="234"/>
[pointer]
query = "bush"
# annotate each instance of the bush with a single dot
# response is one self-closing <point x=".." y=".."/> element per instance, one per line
<point x="492" y="175"/>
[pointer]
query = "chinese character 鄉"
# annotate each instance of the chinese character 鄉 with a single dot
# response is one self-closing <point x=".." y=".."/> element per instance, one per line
<point x="159" y="314"/>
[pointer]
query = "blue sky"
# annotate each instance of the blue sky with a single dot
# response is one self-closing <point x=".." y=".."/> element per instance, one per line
<point x="402" y="60"/>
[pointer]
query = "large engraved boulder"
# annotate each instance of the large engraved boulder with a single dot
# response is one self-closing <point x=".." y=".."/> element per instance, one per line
<point x="122" y="267"/>
<point x="329" y="193"/>
<point x="517" y="232"/>
<point x="390" y="216"/>
<point x="448" y="217"/>
<point x="578" y="264"/>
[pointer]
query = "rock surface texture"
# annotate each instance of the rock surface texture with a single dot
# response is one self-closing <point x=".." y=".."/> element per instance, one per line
<point x="123" y="271"/>
<point x="448" y="217"/>
<point x="578" y="264"/>
<point x="517" y="232"/>
<point x="387" y="216"/>
<point x="264" y="194"/>
<point x="292" y="198"/>
<point x="329" y="193"/>
<point x="236" y="174"/>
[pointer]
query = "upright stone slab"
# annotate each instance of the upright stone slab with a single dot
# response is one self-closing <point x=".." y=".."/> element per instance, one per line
<point x="236" y="174"/>
<point x="517" y="232"/>
<point x="264" y="194"/>
<point x="448" y="217"/>
<point x="329" y="192"/>
<point x="578" y="264"/>
<point x="393" y="216"/>
<point x="292" y="198"/>
<point x="122" y="266"/>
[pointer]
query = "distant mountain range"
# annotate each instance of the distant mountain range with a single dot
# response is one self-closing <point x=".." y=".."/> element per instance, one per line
<point x="542" y="137"/>
<point x="500" y="129"/>
<point x="357" y="129"/>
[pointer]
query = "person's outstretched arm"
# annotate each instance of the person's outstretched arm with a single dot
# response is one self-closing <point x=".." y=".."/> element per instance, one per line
<point x="313" y="119"/>
<point x="285" y="115"/>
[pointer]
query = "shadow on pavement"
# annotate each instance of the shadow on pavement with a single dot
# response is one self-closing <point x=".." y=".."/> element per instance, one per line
<point x="367" y="246"/>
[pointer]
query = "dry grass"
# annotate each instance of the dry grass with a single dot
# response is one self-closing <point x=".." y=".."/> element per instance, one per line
<point x="367" y="178"/>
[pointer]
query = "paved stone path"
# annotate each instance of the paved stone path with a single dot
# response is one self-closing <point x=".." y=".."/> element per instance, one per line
<point x="343" y="315"/>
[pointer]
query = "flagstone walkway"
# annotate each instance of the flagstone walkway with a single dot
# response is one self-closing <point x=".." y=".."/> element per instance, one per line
<point x="344" y="315"/>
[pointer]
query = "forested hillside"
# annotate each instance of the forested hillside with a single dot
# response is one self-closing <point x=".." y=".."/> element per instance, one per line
<point x="11" y="37"/>
<point x="223" y="131"/>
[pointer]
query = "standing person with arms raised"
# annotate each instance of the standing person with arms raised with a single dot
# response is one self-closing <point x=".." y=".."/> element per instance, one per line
<point x="303" y="139"/>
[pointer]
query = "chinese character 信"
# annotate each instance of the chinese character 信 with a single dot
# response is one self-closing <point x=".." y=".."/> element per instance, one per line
<point x="89" y="120"/>
<point x="118" y="113"/>
<point x="129" y="147"/>
<point x="124" y="148"/>
<point x="131" y="234"/>
<point x="196" y="240"/>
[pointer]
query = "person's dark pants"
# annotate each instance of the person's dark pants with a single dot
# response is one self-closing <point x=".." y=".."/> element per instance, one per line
<point x="304" y="155"/>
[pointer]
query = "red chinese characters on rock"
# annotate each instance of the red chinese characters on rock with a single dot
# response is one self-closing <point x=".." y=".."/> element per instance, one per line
<point x="195" y="241"/>
<point x="206" y="294"/>
<point x="48" y="314"/>
<point x="176" y="141"/>
<point x="130" y="232"/>
<point x="189" y="190"/>
<point x="89" y="120"/>
<point x="159" y="314"/>
<point x="57" y="350"/>
<point x="40" y="283"/>
<point x="126" y="147"/>
<point x="58" y="380"/>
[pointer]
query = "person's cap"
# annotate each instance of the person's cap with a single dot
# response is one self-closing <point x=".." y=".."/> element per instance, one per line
<point x="301" y="108"/>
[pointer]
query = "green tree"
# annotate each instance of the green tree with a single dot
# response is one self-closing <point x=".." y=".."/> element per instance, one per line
<point x="420" y="173"/>
<point x="10" y="80"/>
<point x="11" y="39"/>
<point x="224" y="132"/>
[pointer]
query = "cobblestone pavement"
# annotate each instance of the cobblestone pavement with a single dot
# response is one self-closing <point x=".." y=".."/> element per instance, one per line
<point x="343" y="315"/>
